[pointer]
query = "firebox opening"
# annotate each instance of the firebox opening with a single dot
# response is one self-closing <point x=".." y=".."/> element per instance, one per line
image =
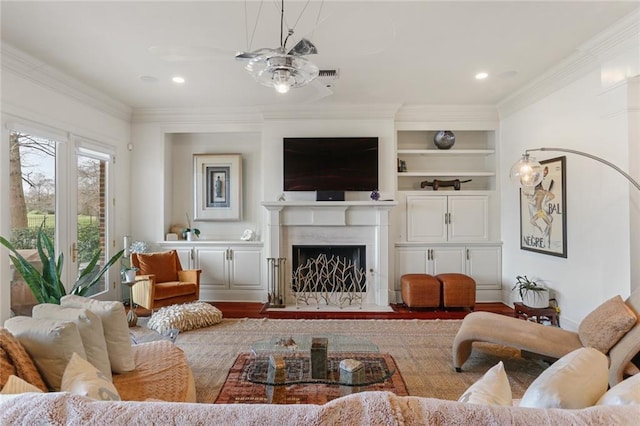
<point x="355" y="254"/>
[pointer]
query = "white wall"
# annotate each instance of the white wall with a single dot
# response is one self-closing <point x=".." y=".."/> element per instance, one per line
<point x="580" y="116"/>
<point x="24" y="101"/>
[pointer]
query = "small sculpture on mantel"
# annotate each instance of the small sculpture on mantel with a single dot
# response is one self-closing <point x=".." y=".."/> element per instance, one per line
<point x="444" y="183"/>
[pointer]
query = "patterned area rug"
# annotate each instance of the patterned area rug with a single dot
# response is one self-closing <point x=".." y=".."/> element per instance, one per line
<point x="421" y="350"/>
<point x="237" y="389"/>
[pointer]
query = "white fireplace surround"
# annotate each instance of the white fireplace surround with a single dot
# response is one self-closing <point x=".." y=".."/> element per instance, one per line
<point x="365" y="223"/>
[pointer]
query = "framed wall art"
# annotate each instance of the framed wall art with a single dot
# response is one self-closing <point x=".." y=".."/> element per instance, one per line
<point x="218" y="186"/>
<point x="543" y="216"/>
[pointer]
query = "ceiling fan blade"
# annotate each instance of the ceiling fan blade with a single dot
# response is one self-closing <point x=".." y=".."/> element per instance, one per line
<point x="241" y="56"/>
<point x="302" y="48"/>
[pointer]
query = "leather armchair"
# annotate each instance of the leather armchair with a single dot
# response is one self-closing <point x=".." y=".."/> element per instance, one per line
<point x="161" y="281"/>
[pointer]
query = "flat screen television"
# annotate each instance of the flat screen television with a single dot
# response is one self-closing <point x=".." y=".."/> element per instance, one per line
<point x="330" y="164"/>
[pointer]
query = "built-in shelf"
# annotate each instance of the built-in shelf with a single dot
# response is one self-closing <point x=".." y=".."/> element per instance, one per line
<point x="444" y="174"/>
<point x="446" y="152"/>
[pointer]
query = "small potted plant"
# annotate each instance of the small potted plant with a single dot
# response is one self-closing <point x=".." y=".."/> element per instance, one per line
<point x="532" y="294"/>
<point x="190" y="233"/>
<point x="129" y="274"/>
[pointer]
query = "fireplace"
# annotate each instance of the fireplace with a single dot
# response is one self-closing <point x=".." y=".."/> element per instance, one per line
<point x="361" y="228"/>
<point x="355" y="255"/>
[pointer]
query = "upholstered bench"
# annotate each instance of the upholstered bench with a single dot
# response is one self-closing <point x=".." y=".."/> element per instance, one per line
<point x="458" y="290"/>
<point x="420" y="291"/>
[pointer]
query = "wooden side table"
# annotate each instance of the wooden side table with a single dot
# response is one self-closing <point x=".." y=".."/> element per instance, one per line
<point x="539" y="314"/>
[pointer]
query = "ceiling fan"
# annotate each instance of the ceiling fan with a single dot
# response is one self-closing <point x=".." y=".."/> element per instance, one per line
<point x="279" y="68"/>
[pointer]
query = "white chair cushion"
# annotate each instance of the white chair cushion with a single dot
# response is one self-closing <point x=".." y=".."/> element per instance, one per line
<point x="16" y="385"/>
<point x="492" y="389"/>
<point x="577" y="380"/>
<point x="82" y="378"/>
<point x="626" y="392"/>
<point x="89" y="326"/>
<point x="49" y="343"/>
<point x="116" y="329"/>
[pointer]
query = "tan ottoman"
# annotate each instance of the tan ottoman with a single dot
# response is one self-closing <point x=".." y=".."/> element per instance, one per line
<point x="420" y="291"/>
<point x="458" y="290"/>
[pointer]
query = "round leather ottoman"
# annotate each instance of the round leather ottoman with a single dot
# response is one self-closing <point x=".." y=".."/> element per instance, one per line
<point x="420" y="291"/>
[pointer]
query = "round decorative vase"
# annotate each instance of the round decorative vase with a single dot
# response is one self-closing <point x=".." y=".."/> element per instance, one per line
<point x="444" y="139"/>
<point x="189" y="236"/>
<point x="375" y="195"/>
<point x="536" y="299"/>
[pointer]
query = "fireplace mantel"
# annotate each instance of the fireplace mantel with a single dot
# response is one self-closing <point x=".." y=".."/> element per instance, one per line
<point x="310" y="222"/>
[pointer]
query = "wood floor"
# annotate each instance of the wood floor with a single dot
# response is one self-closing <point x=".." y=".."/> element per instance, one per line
<point x="400" y="311"/>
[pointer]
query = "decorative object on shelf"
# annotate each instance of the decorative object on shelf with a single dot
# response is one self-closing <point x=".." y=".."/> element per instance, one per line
<point x="532" y="294"/>
<point x="444" y="183"/>
<point x="543" y="219"/>
<point x="190" y="233"/>
<point x="444" y="139"/>
<point x="247" y="235"/>
<point x="402" y="166"/>
<point x="375" y="195"/>
<point x="282" y="197"/>
<point x="218" y="187"/>
<point x="171" y="237"/>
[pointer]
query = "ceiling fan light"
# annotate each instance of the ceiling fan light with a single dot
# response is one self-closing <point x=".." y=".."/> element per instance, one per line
<point x="268" y="69"/>
<point x="281" y="81"/>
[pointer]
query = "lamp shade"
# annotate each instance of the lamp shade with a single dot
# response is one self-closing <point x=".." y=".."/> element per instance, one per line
<point x="526" y="172"/>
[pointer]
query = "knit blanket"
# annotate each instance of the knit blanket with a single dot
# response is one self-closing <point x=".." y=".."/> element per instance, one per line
<point x="366" y="408"/>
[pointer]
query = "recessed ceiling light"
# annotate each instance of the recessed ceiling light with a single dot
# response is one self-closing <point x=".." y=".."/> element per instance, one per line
<point x="178" y="80"/>
<point x="481" y="76"/>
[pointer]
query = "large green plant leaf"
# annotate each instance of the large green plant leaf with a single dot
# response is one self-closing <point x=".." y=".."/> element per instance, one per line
<point x="46" y="284"/>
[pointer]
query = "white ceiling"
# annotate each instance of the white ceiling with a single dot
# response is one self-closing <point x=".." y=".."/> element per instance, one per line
<point x="396" y="52"/>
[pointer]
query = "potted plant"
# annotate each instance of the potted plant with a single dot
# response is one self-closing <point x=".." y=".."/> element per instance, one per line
<point x="46" y="285"/>
<point x="128" y="274"/>
<point x="190" y="233"/>
<point x="532" y="294"/>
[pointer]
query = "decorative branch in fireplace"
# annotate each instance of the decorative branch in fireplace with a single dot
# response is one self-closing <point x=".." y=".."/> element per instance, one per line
<point x="330" y="280"/>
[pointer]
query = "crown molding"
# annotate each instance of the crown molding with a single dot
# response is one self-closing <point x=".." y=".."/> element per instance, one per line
<point x="332" y="112"/>
<point x="38" y="72"/>
<point x="620" y="37"/>
<point x="447" y="114"/>
<point x="197" y="116"/>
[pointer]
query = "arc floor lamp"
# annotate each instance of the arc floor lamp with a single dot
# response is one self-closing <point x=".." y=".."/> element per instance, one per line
<point x="528" y="172"/>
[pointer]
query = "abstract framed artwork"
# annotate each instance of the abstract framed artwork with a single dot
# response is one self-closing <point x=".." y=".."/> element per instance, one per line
<point x="218" y="186"/>
<point x="543" y="216"/>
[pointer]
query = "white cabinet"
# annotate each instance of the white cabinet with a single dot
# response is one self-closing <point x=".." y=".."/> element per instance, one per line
<point x="481" y="262"/>
<point x="230" y="267"/>
<point x="232" y="271"/>
<point x="447" y="218"/>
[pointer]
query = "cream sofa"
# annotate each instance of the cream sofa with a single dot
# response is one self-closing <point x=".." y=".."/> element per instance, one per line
<point x="367" y="408"/>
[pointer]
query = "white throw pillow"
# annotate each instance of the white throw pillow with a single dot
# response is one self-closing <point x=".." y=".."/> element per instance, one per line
<point x="82" y="378"/>
<point x="89" y="326"/>
<point x="492" y="389"/>
<point x="49" y="343"/>
<point x="577" y="380"/>
<point x="16" y="385"/>
<point x="116" y="329"/>
<point x="627" y="392"/>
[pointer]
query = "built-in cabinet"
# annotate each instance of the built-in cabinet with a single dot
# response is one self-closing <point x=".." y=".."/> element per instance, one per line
<point x="449" y="229"/>
<point x="230" y="270"/>
<point x="443" y="218"/>
<point x="482" y="262"/>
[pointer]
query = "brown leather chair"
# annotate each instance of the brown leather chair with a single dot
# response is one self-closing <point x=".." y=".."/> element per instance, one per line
<point x="160" y="280"/>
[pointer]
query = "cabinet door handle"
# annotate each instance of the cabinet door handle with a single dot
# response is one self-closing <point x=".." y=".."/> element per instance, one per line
<point x="446" y="218"/>
<point x="449" y="215"/>
<point x="468" y="254"/>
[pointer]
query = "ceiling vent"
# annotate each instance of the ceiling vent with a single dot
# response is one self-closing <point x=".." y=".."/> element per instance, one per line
<point x="328" y="75"/>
